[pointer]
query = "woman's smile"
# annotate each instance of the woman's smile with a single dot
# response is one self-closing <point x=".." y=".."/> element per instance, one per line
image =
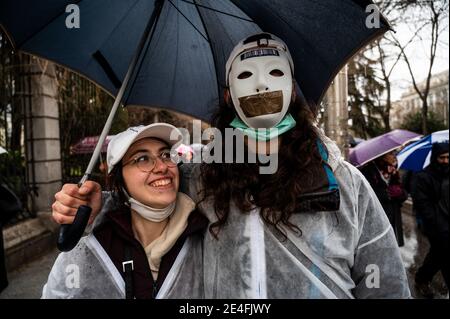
<point x="162" y="183"/>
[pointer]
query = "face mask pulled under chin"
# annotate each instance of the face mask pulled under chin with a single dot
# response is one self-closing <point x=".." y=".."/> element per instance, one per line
<point x="152" y="214"/>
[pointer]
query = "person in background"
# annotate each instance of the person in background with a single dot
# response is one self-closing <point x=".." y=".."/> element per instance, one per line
<point x="383" y="176"/>
<point x="10" y="206"/>
<point x="408" y="177"/>
<point x="398" y="195"/>
<point x="430" y="197"/>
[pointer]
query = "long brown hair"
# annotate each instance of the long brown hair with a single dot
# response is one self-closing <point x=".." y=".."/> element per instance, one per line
<point x="276" y="194"/>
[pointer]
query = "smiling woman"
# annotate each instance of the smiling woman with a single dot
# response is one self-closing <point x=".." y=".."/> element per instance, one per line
<point x="153" y="233"/>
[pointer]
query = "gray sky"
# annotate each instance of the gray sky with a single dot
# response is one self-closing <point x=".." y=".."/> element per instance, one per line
<point x="418" y="52"/>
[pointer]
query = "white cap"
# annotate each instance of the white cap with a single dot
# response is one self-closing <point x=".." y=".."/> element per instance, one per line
<point x="121" y="142"/>
<point x="270" y="41"/>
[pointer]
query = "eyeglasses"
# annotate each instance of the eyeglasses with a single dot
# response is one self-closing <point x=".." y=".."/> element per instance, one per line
<point x="146" y="163"/>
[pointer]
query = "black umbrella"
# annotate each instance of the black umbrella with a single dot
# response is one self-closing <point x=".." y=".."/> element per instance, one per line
<point x="172" y="53"/>
<point x="183" y="59"/>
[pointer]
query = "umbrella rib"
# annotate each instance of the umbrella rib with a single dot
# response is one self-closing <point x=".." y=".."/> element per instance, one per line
<point x="141" y="60"/>
<point x="189" y="21"/>
<point x="100" y="58"/>
<point x="210" y="45"/>
<point x="218" y="11"/>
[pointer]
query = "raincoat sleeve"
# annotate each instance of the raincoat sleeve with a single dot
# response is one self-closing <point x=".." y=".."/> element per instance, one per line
<point x="378" y="270"/>
<point x="55" y="288"/>
<point x="85" y="272"/>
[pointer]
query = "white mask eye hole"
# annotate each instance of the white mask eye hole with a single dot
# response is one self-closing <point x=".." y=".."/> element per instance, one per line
<point x="276" y="73"/>
<point x="245" y="75"/>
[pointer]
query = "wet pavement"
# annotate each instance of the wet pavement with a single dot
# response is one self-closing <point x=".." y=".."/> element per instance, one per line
<point x="414" y="252"/>
<point x="28" y="280"/>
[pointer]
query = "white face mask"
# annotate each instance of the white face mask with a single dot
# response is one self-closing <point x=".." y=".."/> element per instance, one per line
<point x="261" y="86"/>
<point x="152" y="214"/>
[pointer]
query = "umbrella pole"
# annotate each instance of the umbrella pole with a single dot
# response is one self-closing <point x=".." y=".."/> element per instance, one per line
<point x="70" y="234"/>
<point x="118" y="100"/>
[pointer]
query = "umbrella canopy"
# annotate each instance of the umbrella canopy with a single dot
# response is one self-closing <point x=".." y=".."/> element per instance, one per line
<point x="416" y="157"/>
<point x="172" y="53"/>
<point x="87" y="145"/>
<point x="183" y="60"/>
<point x="369" y="150"/>
<point x="2" y="150"/>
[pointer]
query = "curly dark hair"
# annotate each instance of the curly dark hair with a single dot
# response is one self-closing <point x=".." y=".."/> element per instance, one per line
<point x="276" y="194"/>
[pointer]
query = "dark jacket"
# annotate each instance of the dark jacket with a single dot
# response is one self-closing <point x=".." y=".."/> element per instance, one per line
<point x="390" y="196"/>
<point x="3" y="277"/>
<point x="398" y="195"/>
<point x="10" y="206"/>
<point x="443" y="202"/>
<point x="115" y="233"/>
<point x="380" y="187"/>
<point x="427" y="196"/>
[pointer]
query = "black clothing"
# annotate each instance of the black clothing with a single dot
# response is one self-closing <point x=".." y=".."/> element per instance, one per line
<point x="115" y="235"/>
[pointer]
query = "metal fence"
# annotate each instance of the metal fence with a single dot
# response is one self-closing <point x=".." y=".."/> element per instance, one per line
<point x="83" y="109"/>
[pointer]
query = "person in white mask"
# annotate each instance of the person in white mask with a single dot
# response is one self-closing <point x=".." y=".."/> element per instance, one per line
<point x="260" y="81"/>
<point x="150" y="236"/>
<point x="312" y="229"/>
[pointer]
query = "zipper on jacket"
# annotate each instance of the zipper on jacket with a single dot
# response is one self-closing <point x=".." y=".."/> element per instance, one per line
<point x="155" y="290"/>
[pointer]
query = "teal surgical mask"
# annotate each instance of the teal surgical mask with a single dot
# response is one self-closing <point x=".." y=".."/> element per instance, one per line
<point x="264" y="134"/>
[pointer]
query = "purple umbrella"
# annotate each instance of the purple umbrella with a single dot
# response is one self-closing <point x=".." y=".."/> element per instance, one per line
<point x="369" y="150"/>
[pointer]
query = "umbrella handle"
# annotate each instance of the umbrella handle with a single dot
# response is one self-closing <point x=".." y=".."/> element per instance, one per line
<point x="70" y="234"/>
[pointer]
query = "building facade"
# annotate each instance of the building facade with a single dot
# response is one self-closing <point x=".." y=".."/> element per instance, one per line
<point x="410" y="101"/>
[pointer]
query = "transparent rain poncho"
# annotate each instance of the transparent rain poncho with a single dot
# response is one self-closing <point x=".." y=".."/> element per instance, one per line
<point x="87" y="272"/>
<point x="350" y="253"/>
